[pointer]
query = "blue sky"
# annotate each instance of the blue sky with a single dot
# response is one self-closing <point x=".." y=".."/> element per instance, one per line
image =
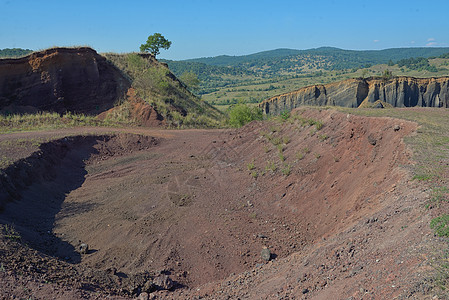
<point x="203" y="28"/>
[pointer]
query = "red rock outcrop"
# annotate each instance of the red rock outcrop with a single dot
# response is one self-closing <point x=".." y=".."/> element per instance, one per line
<point x="61" y="80"/>
<point x="138" y="111"/>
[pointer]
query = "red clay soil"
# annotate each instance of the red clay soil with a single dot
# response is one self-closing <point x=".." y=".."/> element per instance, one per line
<point x="339" y="215"/>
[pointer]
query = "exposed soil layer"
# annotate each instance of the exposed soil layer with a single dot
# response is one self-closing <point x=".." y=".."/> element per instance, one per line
<point x="365" y="92"/>
<point x="336" y="210"/>
<point x="139" y="111"/>
<point x="61" y="80"/>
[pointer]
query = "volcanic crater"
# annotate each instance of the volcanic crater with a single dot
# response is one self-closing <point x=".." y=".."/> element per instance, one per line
<point x="198" y="206"/>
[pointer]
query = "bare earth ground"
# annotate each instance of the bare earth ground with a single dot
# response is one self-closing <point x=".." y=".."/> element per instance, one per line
<point x="341" y="215"/>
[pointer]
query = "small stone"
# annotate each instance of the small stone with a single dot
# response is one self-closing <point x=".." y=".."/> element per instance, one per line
<point x="305" y="291"/>
<point x="143" y="296"/>
<point x="261" y="236"/>
<point x="372" y="140"/>
<point x="265" y="254"/>
<point x="163" y="282"/>
<point x="396" y="128"/>
<point x="84" y="248"/>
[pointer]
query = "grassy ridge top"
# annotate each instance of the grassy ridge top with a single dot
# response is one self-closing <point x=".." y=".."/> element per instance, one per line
<point x="159" y="87"/>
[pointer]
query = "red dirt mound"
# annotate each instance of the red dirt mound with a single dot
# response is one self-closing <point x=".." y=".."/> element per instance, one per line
<point x="138" y="111"/>
<point x="60" y="79"/>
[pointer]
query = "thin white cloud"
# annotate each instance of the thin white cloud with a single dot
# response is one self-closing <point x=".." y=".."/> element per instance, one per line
<point x="412" y="42"/>
<point x="431" y="44"/>
<point x="376" y="41"/>
<point x="431" y="39"/>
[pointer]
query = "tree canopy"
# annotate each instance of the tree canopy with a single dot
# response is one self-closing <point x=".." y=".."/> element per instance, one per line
<point x="154" y="43"/>
<point x="14" y="52"/>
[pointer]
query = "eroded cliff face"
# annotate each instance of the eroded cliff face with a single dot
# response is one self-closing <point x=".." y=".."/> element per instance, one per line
<point x="61" y="80"/>
<point x="398" y="92"/>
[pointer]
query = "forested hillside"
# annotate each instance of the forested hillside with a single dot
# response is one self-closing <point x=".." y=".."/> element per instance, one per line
<point x="252" y="78"/>
<point x="287" y="61"/>
<point x="14" y="52"/>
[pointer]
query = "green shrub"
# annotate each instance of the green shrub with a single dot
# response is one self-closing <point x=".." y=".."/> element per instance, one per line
<point x="241" y="114"/>
<point x="285" y="115"/>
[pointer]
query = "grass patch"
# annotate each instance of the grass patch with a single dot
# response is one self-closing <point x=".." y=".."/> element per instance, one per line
<point x="281" y="156"/>
<point x="276" y="141"/>
<point x="285" y="140"/>
<point x="48" y="121"/>
<point x="440" y="225"/>
<point x="299" y="155"/>
<point x="422" y="177"/>
<point x="266" y="149"/>
<point x="437" y="196"/>
<point x="287" y="169"/>
<point x="10" y="233"/>
<point x="270" y="167"/>
<point x="251" y="166"/>
<point x="285" y="115"/>
<point x="323" y="137"/>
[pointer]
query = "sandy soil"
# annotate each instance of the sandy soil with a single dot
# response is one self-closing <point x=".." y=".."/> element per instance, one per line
<point x="339" y="213"/>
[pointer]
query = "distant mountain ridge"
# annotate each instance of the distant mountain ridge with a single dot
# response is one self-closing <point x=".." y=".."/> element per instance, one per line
<point x="361" y="56"/>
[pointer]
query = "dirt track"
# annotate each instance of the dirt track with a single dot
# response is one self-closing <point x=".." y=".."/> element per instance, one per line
<point x="200" y="205"/>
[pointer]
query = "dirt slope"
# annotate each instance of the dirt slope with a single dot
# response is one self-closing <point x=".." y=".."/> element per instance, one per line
<point x="341" y="218"/>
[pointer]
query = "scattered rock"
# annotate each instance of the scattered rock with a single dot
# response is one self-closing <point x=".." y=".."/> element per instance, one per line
<point x="143" y="296"/>
<point x="163" y="282"/>
<point x="262" y="236"/>
<point x="396" y="128"/>
<point x="372" y="140"/>
<point x="265" y="254"/>
<point x="305" y="291"/>
<point x="149" y="286"/>
<point x="84" y="248"/>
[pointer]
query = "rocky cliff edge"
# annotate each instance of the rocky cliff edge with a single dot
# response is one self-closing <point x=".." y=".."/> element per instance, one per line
<point x="397" y="92"/>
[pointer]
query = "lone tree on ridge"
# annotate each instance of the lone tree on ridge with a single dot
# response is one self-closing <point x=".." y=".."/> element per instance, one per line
<point x="154" y="43"/>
